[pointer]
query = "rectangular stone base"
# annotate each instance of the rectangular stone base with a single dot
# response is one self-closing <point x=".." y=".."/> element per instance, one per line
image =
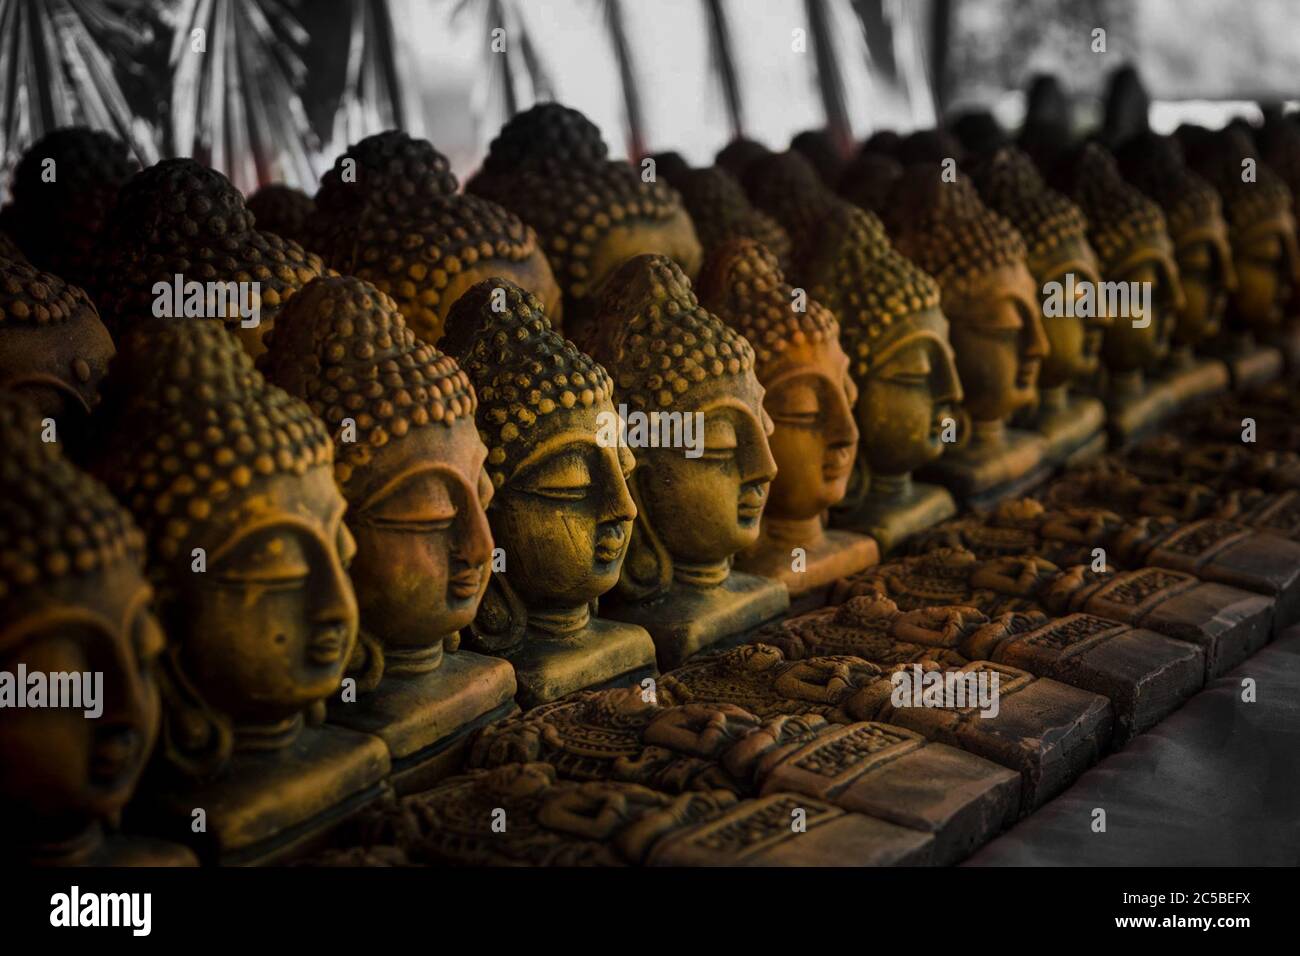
<point x="271" y="805"/>
<point x="892" y="520"/>
<point x="1146" y="676"/>
<point x="835" y="555"/>
<point x="896" y="775"/>
<point x="981" y="482"/>
<point x="602" y="654"/>
<point x="1046" y="731"/>
<point x="788" y="829"/>
<point x="687" y="620"/>
<point x="1075" y="433"/>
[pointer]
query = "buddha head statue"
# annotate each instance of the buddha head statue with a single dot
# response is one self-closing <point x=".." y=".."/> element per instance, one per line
<point x="64" y="188"/>
<point x="896" y="338"/>
<point x="232" y="482"/>
<point x="1128" y="232"/>
<point x="736" y="156"/>
<point x="1194" y="213"/>
<point x="721" y="211"/>
<point x="284" y="211"/>
<point x="868" y="180"/>
<point x="75" y="601"/>
<point x="179" y="218"/>
<point x="786" y="186"/>
<point x="1056" y="240"/>
<point x="561" y="512"/>
<point x="695" y="507"/>
<point x="823" y="149"/>
<point x="988" y="293"/>
<point x="407" y="457"/>
<point x="53" y="348"/>
<point x="398" y="222"/>
<point x="550" y="167"/>
<point x="809" y="394"/>
<point x="1261" y="226"/>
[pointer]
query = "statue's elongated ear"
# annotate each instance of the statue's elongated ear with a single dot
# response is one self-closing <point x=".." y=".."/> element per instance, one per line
<point x="501" y="620"/>
<point x="366" y="665"/>
<point x="196" y="740"/>
<point x="648" y="568"/>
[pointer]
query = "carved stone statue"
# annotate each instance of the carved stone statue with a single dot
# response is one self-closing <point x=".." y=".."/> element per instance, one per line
<point x="810" y="397"/>
<point x="700" y="494"/>
<point x="1129" y="233"/>
<point x="409" y="461"/>
<point x="561" y="511"/>
<point x="53" y="348"/>
<point x="285" y="211"/>
<point x="389" y="212"/>
<point x="179" y="218"/>
<point x="991" y="300"/>
<point x="1262" y="233"/>
<point x="1068" y="276"/>
<point x="721" y="211"/>
<point x="232" y="481"/>
<point x="550" y="167"/>
<point x="76" y="605"/>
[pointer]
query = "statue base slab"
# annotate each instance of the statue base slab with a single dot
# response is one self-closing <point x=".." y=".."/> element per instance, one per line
<point x="425" y="719"/>
<point x="605" y="653"/>
<point x="980" y="477"/>
<point x="834" y="555"/>
<point x="891" y="519"/>
<point x="1254" y="366"/>
<point x="1074" y="433"/>
<point x="686" y="620"/>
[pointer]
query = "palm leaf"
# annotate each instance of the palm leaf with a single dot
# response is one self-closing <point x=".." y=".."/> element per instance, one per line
<point x="236" y="104"/>
<point x="64" y="63"/>
<point x="830" y="79"/>
<point x="878" y="32"/>
<point x="633" y="115"/>
<point x="500" y="98"/>
<point x="723" y="61"/>
<point x="372" y="97"/>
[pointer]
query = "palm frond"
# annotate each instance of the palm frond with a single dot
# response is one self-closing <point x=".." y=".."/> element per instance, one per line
<point x="878" y="32"/>
<point x="372" y="97"/>
<point x="633" y="115"/>
<point x="64" y="63"/>
<point x="723" y="60"/>
<point x="235" y="104"/>
<point x="830" y="79"/>
<point x="501" y="97"/>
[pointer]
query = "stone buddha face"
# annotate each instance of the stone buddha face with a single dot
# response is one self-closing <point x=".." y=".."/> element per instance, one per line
<point x="1208" y="274"/>
<point x="706" y="509"/>
<point x="66" y="771"/>
<point x="268" y="629"/>
<point x="565" y="515"/>
<point x="1074" y="341"/>
<point x="423" y="545"/>
<point x="1267" y="264"/>
<point x="999" y="342"/>
<point x="1138" y="339"/>
<point x="908" y="392"/>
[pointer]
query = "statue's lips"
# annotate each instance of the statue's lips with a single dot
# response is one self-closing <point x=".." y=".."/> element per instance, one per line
<point x="326" y="647"/>
<point x="113" y="758"/>
<point x="608" y="550"/>
<point x="465" y="584"/>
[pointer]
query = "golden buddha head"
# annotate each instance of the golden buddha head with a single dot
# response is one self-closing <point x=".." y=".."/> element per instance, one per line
<point x="398" y="222"/>
<point x="75" y="601"/>
<point x="549" y="166"/>
<point x="1129" y="234"/>
<point x="561" y="511"/>
<point x="179" y="218"/>
<point x="787" y="186"/>
<point x="1056" y="241"/>
<point x="1261" y="226"/>
<point x="407" y="456"/>
<point x="809" y="394"/>
<point x="53" y="348"/>
<point x="232" y="482"/>
<point x="58" y="220"/>
<point x="1197" y="229"/>
<point x="669" y="354"/>
<point x="989" y="295"/>
<point x="868" y="181"/>
<point x="896" y="338"/>
<point x="721" y="211"/>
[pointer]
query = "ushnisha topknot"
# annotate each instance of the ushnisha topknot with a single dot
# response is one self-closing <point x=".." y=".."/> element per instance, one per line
<point x="545" y="136"/>
<point x="195" y="424"/>
<point x="1119" y="217"/>
<point x="787" y="186"/>
<point x="181" y="218"/>
<point x="521" y="369"/>
<point x="721" y="211"/>
<point x="656" y="338"/>
<point x="1011" y="185"/>
<point x="1219" y="156"/>
<point x="342" y="346"/>
<point x="868" y="180"/>
<point x="283" y="210"/>
<point x="58" y="220"/>
<point x="948" y="232"/>
<point x="736" y="156"/>
<point x="741" y="283"/>
<point x="55" y="520"/>
<point x="891" y="289"/>
<point x="1155" y="165"/>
